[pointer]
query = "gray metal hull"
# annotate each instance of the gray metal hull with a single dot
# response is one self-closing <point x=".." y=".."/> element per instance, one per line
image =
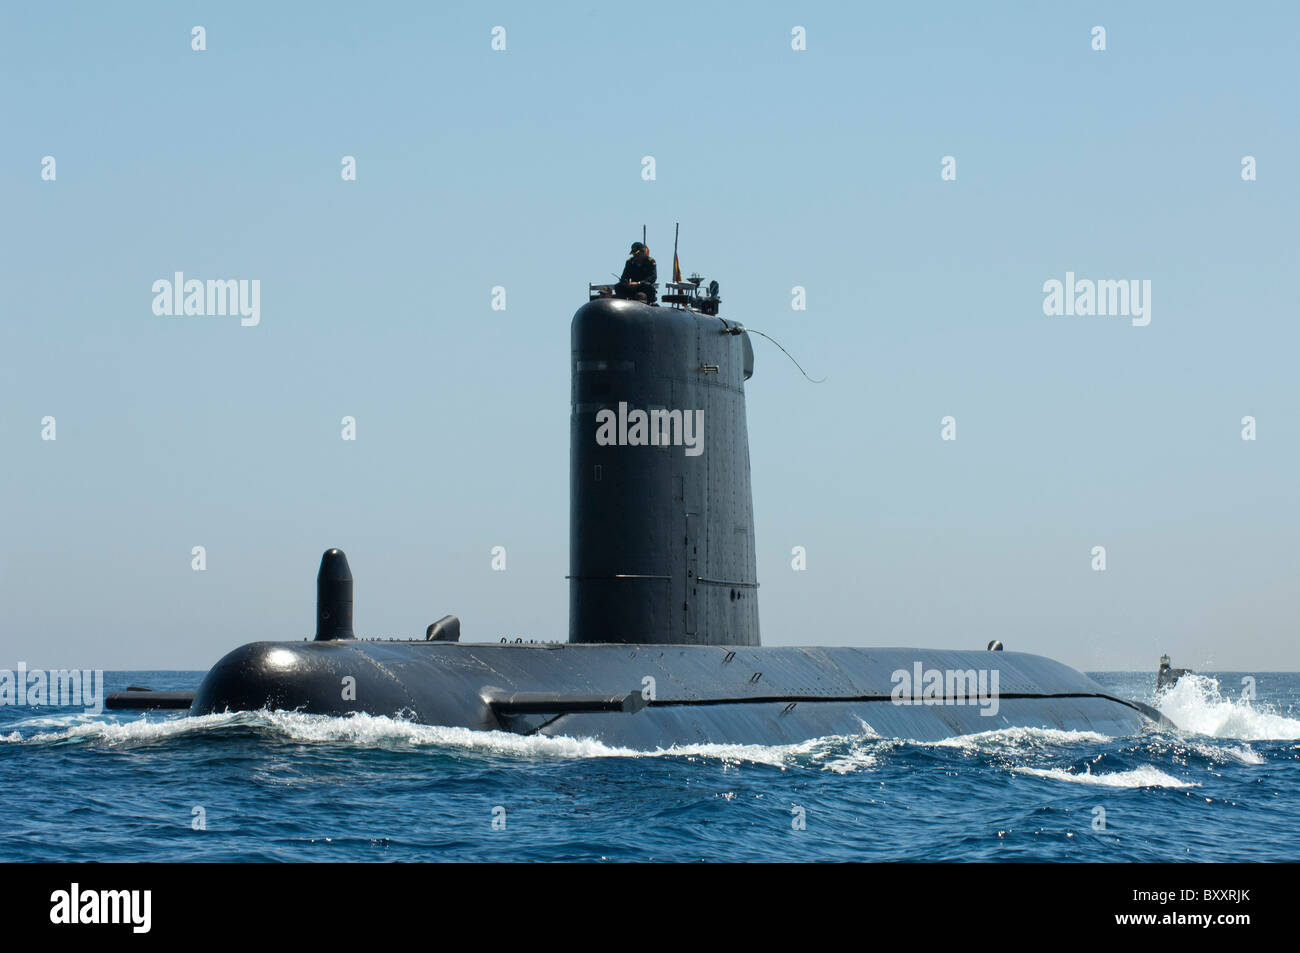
<point x="700" y="694"/>
<point x="664" y="640"/>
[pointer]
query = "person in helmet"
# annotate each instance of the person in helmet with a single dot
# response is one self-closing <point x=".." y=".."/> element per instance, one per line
<point x="639" y="276"/>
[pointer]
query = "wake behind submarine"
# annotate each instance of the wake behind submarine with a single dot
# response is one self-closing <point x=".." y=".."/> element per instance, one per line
<point x="663" y="644"/>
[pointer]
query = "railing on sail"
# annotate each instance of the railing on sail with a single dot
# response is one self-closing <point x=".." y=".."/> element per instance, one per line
<point x="688" y="294"/>
<point x="606" y="290"/>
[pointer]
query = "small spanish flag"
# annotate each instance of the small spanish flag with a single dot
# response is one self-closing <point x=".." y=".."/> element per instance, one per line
<point x="677" y="269"/>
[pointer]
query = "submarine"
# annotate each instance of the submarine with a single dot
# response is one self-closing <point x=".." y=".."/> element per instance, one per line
<point x="663" y="643"/>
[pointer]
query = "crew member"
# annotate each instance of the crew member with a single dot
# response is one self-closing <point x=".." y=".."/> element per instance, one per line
<point x="639" y="276"/>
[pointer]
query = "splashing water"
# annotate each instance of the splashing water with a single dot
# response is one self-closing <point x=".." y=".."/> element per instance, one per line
<point x="1143" y="777"/>
<point x="1196" y="705"/>
<point x="376" y="732"/>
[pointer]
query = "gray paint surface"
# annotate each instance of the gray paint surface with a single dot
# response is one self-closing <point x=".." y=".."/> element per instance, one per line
<point x="661" y="543"/>
<point x="700" y="693"/>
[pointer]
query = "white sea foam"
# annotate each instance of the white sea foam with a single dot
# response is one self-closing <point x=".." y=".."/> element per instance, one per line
<point x="1020" y="738"/>
<point x="1195" y="705"/>
<point x="1143" y="777"/>
<point x="110" y="731"/>
<point x="61" y="720"/>
<point x="841" y="754"/>
<point x="1242" y="754"/>
<point x="371" y="731"/>
<point x="838" y="754"/>
<point x="858" y="758"/>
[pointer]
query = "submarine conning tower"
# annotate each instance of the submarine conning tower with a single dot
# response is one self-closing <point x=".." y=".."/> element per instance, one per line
<point x="661" y="517"/>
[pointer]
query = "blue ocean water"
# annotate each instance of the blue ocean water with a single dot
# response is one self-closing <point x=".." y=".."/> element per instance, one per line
<point x="290" y="787"/>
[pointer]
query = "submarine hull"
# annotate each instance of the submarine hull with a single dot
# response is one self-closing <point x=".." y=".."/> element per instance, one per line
<point x="672" y="694"/>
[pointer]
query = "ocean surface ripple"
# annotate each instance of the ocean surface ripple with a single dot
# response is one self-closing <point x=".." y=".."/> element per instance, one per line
<point x="286" y="786"/>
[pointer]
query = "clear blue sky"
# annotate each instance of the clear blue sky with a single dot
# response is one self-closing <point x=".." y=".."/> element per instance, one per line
<point x="522" y="168"/>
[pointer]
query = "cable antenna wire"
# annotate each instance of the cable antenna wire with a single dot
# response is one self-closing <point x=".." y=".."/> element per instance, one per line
<point x="814" y="380"/>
